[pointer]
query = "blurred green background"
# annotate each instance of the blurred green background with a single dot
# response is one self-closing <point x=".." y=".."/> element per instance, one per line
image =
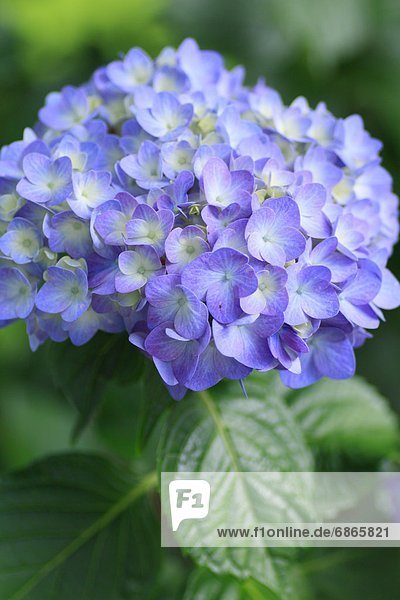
<point x="346" y="52"/>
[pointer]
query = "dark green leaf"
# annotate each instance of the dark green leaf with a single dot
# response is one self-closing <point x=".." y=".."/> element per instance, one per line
<point x="76" y="526"/>
<point x="81" y="373"/>
<point x="35" y="423"/>
<point x="129" y="413"/>
<point x="353" y="573"/>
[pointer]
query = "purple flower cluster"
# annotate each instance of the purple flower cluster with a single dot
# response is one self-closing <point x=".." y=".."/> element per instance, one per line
<point x="221" y="229"/>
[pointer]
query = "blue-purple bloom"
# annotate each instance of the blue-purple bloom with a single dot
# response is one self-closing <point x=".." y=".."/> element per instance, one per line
<point x="145" y="166"/>
<point x="184" y="245"/>
<point x="273" y="234"/>
<point x="171" y="302"/>
<point x="111" y="218"/>
<point x="214" y="366"/>
<point x="180" y="355"/>
<point x="217" y="220"/>
<point x="311" y="198"/>
<point x="246" y="340"/>
<point x="90" y="190"/>
<point x="223" y="188"/>
<point x="149" y="227"/>
<point x="167" y="118"/>
<point x="357" y="294"/>
<point x="311" y="295"/>
<point x="16" y="293"/>
<point x="65" y="109"/>
<point x="221" y="229"/>
<point x="10" y="201"/>
<point x="46" y="181"/>
<point x="203" y="67"/>
<point x="330" y="354"/>
<point x="221" y="278"/>
<point x="67" y="233"/>
<point x="90" y="322"/>
<point x="177" y="157"/>
<point x="287" y="346"/>
<point x="65" y="292"/>
<point x="134" y="70"/>
<point x="22" y="241"/>
<point x="136" y="267"/>
<point x="271" y="297"/>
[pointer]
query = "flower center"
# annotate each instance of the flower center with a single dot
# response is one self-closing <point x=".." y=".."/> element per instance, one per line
<point x="182" y="301"/>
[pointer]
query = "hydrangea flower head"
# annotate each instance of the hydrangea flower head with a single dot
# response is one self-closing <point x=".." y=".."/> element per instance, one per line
<point x="220" y="229"/>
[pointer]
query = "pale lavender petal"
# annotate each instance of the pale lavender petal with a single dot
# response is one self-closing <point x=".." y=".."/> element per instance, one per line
<point x="388" y="296"/>
<point x="17" y="296"/>
<point x="216" y="181"/>
<point x="163" y="347"/>
<point x="214" y="366"/>
<point x="243" y="343"/>
<point x="319" y="299"/>
<point x="333" y="354"/>
<point x="198" y="277"/>
<point x="365" y="285"/>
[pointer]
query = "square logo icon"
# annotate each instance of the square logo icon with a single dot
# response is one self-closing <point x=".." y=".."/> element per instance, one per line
<point x="189" y="499"/>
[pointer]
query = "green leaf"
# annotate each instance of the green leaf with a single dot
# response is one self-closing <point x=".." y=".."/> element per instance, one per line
<point x="130" y="412"/>
<point x="170" y="580"/>
<point x="356" y="573"/>
<point x="76" y="526"/>
<point x="346" y="416"/>
<point x="35" y="423"/>
<point x="221" y="430"/>
<point x="81" y="373"/>
<point x="204" y="585"/>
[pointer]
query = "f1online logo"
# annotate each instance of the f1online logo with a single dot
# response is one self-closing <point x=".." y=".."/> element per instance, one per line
<point x="189" y="499"/>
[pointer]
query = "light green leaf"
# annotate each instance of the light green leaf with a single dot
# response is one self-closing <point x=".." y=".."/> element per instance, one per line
<point x="76" y="526"/>
<point x="204" y="585"/>
<point x="346" y="416"/>
<point x="221" y="430"/>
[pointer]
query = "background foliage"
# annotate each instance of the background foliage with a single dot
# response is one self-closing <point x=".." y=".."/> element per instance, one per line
<point x="345" y="52"/>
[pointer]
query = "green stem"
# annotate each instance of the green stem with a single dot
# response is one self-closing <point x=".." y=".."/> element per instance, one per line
<point x="220" y="426"/>
<point x="255" y="593"/>
<point x="223" y="431"/>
